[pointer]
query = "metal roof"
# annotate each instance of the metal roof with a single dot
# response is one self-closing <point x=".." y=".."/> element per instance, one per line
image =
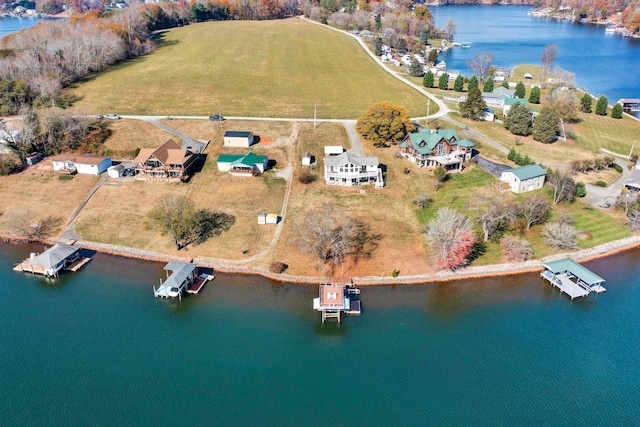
<point x="249" y="159"/>
<point x="527" y="172"/>
<point x="180" y="272"/>
<point x="54" y="255"/>
<point x="237" y="134"/>
<point x="569" y="265"/>
<point x="351" y="158"/>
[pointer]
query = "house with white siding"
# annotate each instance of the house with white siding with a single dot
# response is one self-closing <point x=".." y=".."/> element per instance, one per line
<point x="235" y="138"/>
<point x="80" y="163"/>
<point x="525" y="178"/>
<point x="349" y="170"/>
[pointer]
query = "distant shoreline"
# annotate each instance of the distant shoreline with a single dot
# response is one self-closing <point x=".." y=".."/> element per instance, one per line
<point x="237" y="267"/>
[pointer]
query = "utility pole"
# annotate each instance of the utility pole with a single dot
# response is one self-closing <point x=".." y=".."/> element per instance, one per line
<point x="315" y="111"/>
<point x="426" y="122"/>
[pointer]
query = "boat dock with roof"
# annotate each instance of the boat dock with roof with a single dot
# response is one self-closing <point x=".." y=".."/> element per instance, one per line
<point x="51" y="261"/>
<point x="337" y="297"/>
<point x="572" y="278"/>
<point x="183" y="278"/>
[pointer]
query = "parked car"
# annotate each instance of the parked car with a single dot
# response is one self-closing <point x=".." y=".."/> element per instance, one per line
<point x="99" y="117"/>
<point x="216" y="118"/>
<point x="112" y="117"/>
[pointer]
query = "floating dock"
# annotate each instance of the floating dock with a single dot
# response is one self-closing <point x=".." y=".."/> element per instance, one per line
<point x="572" y="278"/>
<point x="199" y="283"/>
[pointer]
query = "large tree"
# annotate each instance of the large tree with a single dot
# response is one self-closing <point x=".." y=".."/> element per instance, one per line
<point x="473" y="82"/>
<point x="458" y="85"/>
<point x="586" y="102"/>
<point x="178" y="217"/>
<point x="564" y="104"/>
<point x="488" y="85"/>
<point x="534" y="96"/>
<point x="601" y="106"/>
<point x="433" y="56"/>
<point x="616" y="111"/>
<point x="332" y="236"/>
<point x="24" y="222"/>
<point x="481" y="64"/>
<point x="545" y="126"/>
<point x="560" y="235"/>
<point x="564" y="187"/>
<point x="443" y="81"/>
<point x="384" y="123"/>
<point x="450" y="30"/>
<point x="521" y="92"/>
<point x="534" y="210"/>
<point x="451" y="237"/>
<point x="494" y="216"/>
<point x="518" y="121"/>
<point x="415" y="69"/>
<point x="548" y="57"/>
<point x="474" y="106"/>
<point x="428" y="79"/>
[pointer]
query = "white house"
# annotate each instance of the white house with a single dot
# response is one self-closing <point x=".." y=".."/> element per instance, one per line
<point x="234" y="138"/>
<point x="497" y="97"/>
<point x="242" y="164"/>
<point x="525" y="178"/>
<point x="349" y="170"/>
<point x="80" y="163"/>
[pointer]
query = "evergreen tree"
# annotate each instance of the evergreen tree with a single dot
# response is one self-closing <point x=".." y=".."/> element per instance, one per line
<point x="378" y="20"/>
<point x="616" y="112"/>
<point x="505" y="84"/>
<point x="586" y="102"/>
<point x="458" y="86"/>
<point x="488" y="85"/>
<point x="518" y="121"/>
<point x="474" y="105"/>
<point x="601" y="106"/>
<point x="473" y="83"/>
<point x="424" y="37"/>
<point x="443" y="82"/>
<point x="520" y="90"/>
<point x="534" y="96"/>
<point x="415" y="69"/>
<point x="545" y="126"/>
<point x="377" y="46"/>
<point x="427" y="81"/>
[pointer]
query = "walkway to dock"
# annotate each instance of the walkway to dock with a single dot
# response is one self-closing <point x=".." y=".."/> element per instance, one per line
<point x="199" y="283"/>
<point x="78" y="264"/>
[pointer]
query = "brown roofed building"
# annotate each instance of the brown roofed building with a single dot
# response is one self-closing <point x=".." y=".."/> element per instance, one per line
<point x="169" y="162"/>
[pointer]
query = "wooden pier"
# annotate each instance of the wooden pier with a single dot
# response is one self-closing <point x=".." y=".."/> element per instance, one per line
<point x="199" y="283"/>
<point x="572" y="278"/>
<point x="78" y="264"/>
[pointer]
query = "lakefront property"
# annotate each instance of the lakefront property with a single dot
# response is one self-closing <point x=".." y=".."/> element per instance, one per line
<point x="437" y="147"/>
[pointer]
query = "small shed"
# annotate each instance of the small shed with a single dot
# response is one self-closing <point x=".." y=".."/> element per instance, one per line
<point x="262" y="218"/>
<point x="234" y="138"/>
<point x="115" y="171"/>
<point x="33" y="158"/>
<point x="307" y="159"/>
<point x="272" y="218"/>
<point x="333" y="150"/>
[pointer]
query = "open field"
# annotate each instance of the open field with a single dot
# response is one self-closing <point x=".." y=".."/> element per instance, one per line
<point x="248" y="68"/>
<point x="127" y="135"/>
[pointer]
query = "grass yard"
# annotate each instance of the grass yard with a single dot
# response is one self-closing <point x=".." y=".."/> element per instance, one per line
<point x="594" y="132"/>
<point x="276" y="68"/>
<point x="39" y="189"/>
<point x="127" y="135"/>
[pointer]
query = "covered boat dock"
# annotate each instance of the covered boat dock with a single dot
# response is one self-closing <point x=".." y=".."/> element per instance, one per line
<point x="336" y="297"/>
<point x="572" y="278"/>
<point x="50" y="262"/>
<point x="182" y="275"/>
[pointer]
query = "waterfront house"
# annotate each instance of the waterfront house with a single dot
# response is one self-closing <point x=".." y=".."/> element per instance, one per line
<point x="630" y="105"/>
<point x="349" y="170"/>
<point x="249" y="164"/>
<point x="169" y="162"/>
<point x="525" y="178"/>
<point x="80" y="163"/>
<point x="235" y="138"/>
<point x="497" y="97"/>
<point x="436" y="147"/>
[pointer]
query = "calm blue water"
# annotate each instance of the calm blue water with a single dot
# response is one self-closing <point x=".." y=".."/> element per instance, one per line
<point x="95" y="348"/>
<point x="10" y="25"/>
<point x="603" y="64"/>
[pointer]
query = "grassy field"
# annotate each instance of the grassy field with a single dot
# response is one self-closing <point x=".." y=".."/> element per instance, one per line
<point x="248" y="68"/>
<point x="127" y="135"/>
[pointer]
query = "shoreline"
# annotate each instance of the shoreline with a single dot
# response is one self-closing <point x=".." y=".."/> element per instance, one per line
<point x="235" y="267"/>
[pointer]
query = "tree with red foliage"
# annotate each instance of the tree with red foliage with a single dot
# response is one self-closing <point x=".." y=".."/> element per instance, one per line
<point x="451" y="236"/>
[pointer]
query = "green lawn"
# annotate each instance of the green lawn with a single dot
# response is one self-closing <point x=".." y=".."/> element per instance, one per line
<point x="249" y="68"/>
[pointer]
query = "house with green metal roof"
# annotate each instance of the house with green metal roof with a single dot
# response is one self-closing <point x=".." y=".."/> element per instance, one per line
<point x="248" y="164"/>
<point x="436" y="147"/>
<point x="525" y="178"/>
<point x="510" y="102"/>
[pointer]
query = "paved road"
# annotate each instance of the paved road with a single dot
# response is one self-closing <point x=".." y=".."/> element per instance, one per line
<point x="493" y="168"/>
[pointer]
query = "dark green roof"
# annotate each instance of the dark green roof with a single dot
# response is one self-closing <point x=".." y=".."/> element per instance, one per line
<point x="248" y="159"/>
<point x="466" y="143"/>
<point x="567" y="264"/>
<point x="527" y="172"/>
<point x="511" y="101"/>
<point x="424" y="142"/>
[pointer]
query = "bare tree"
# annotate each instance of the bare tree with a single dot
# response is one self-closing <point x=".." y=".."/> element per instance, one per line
<point x="451" y="236"/>
<point x="560" y="236"/>
<point x="633" y="219"/>
<point x="24" y="223"/>
<point x="481" y="64"/>
<point x="331" y="237"/>
<point x="535" y="210"/>
<point x="422" y="200"/>
<point x="494" y="217"/>
<point x="563" y="185"/>
<point x="627" y="201"/>
<point x="516" y="250"/>
<point x="548" y="57"/>
<point x="450" y="29"/>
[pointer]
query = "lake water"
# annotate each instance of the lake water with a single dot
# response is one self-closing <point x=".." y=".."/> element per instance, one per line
<point x="604" y="64"/>
<point x="95" y="348"/>
<point x="11" y="24"/>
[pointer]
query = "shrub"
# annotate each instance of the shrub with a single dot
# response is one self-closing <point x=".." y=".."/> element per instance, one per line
<point x="422" y="201"/>
<point x="8" y="165"/>
<point x="581" y="189"/>
<point x="278" y="267"/>
<point x="306" y="177"/>
<point x="560" y="236"/>
<point x="395" y="273"/>
<point x="440" y="173"/>
<point x="617" y="167"/>
<point x="516" y="250"/>
<point x="616" y="111"/>
<point x="601" y="183"/>
<point x="65" y="177"/>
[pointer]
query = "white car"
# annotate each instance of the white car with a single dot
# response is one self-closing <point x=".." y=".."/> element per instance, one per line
<point x="112" y="117"/>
